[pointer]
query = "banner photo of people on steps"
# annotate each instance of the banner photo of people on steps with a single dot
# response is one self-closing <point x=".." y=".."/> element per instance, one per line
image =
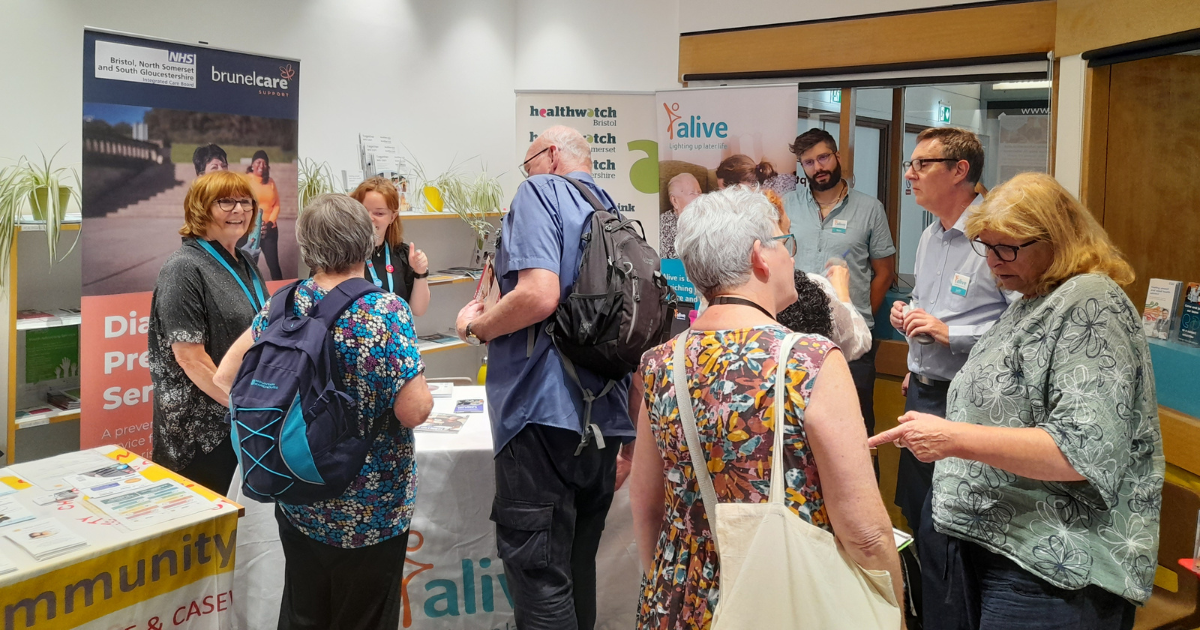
<point x="157" y="115"/>
<point x="712" y="138"/>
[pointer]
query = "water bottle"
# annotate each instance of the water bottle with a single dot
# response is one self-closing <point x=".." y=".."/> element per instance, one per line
<point x="924" y="338"/>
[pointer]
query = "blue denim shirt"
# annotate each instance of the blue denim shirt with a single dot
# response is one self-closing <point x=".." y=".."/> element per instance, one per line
<point x="544" y="229"/>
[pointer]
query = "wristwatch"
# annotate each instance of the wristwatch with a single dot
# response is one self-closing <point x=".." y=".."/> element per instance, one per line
<point x="471" y="337"/>
<point x="421" y="276"/>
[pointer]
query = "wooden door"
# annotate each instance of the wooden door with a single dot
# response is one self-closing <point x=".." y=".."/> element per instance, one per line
<point x="1152" y="178"/>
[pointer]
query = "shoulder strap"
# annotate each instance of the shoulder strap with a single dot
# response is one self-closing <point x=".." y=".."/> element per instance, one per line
<point x="683" y="396"/>
<point x="330" y="308"/>
<point x="781" y="394"/>
<point x="587" y="194"/>
<point x="283" y="302"/>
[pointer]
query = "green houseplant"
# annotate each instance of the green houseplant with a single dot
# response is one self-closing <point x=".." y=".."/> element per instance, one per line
<point x="314" y="180"/>
<point x="471" y="197"/>
<point x="44" y="188"/>
<point x="10" y="212"/>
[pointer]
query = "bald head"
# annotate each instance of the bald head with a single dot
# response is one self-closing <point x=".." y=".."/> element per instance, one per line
<point x="681" y="190"/>
<point x="559" y="150"/>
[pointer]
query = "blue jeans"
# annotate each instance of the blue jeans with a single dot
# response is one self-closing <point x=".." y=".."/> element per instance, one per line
<point x="1000" y="595"/>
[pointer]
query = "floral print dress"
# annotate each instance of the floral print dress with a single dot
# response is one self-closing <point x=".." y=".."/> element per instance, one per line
<point x="731" y="379"/>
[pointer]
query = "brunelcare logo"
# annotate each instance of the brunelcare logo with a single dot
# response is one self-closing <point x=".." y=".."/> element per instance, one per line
<point x="694" y="127"/>
<point x="254" y="79"/>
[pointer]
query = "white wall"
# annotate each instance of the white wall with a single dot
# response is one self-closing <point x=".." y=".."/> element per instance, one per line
<point x="618" y="45"/>
<point x="706" y="15"/>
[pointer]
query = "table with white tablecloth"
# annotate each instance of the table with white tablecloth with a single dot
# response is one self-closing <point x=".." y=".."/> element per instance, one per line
<point x="452" y="575"/>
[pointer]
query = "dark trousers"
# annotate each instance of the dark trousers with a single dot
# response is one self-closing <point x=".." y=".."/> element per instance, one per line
<point x="997" y="594"/>
<point x="549" y="512"/>
<point x="862" y="370"/>
<point x="214" y="469"/>
<point x="270" y="250"/>
<point x="330" y="588"/>
<point x="914" y="478"/>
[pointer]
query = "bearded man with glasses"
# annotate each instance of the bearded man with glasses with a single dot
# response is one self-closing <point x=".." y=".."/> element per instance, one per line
<point x="831" y="220"/>
<point x="955" y="300"/>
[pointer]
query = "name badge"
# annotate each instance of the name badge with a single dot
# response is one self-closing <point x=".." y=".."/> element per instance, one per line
<point x="839" y="226"/>
<point x="960" y="284"/>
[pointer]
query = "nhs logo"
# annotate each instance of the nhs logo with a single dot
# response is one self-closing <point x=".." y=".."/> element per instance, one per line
<point x="178" y="57"/>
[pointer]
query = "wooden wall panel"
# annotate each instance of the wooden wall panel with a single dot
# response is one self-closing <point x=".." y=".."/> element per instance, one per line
<point x="1181" y="439"/>
<point x="1095" y="141"/>
<point x="1009" y="29"/>
<point x="1152" y="187"/>
<point x="1084" y="25"/>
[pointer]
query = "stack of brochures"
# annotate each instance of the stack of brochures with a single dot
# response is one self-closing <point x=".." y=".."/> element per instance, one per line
<point x="6" y="566"/>
<point x="438" y="338"/>
<point x="441" y="423"/>
<point x="45" y="538"/>
<point x="12" y="512"/>
<point x="441" y="390"/>
<point x="106" y="481"/>
<point x="151" y="504"/>
<point x="66" y="400"/>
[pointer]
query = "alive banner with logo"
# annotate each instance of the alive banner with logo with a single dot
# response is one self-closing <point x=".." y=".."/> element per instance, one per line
<point x="157" y="115"/>
<point x="619" y="126"/>
<point x="743" y="132"/>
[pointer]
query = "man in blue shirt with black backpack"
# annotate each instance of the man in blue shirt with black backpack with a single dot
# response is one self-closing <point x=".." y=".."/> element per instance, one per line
<point x="555" y="477"/>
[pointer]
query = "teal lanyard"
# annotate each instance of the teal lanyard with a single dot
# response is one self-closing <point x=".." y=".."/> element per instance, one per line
<point x="257" y="306"/>
<point x="387" y="261"/>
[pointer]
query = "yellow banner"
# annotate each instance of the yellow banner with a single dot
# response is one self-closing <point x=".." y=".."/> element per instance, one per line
<point x="75" y="595"/>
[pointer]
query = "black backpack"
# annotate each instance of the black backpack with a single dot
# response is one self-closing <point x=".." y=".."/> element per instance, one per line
<point x="294" y="428"/>
<point x="619" y="307"/>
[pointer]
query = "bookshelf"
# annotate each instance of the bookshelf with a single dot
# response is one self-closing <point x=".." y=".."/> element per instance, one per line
<point x="32" y="284"/>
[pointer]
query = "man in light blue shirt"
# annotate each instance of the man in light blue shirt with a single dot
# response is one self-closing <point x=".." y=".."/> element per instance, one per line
<point x="955" y="300"/>
<point x="552" y="490"/>
<point x="832" y="220"/>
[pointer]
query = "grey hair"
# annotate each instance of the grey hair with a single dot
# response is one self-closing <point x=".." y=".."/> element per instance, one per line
<point x="715" y="236"/>
<point x="679" y="179"/>
<point x="335" y="234"/>
<point x="571" y="145"/>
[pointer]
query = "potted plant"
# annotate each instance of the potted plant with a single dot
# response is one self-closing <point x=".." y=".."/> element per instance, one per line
<point x="471" y="197"/>
<point x="10" y="211"/>
<point x="315" y="179"/>
<point x="44" y="189"/>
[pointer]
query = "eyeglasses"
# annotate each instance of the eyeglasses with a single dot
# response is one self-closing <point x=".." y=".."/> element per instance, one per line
<point x="918" y="164"/>
<point x="824" y="160"/>
<point x="228" y="204"/>
<point x="1006" y="253"/>
<point x="789" y="242"/>
<point x="524" y="171"/>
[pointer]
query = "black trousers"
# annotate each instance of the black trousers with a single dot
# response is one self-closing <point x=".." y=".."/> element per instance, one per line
<point x="330" y="588"/>
<point x="549" y="512"/>
<point x="214" y="469"/>
<point x="270" y="250"/>
<point x="862" y="370"/>
<point x="939" y="609"/>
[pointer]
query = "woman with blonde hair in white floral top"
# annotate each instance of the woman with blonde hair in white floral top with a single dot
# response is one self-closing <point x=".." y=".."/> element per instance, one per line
<point x="1049" y="464"/>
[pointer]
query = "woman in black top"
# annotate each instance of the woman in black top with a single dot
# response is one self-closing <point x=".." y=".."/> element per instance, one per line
<point x="206" y="295"/>
<point x="395" y="266"/>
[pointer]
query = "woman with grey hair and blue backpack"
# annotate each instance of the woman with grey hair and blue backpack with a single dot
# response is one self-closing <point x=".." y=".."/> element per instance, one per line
<point x="344" y="555"/>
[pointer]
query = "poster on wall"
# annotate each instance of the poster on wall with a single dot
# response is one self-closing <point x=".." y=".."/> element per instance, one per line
<point x="619" y="126"/>
<point x="156" y="115"/>
<point x="710" y="138"/>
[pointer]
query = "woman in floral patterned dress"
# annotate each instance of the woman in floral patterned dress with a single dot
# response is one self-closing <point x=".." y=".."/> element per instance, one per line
<point x="1050" y="464"/>
<point x="731" y="247"/>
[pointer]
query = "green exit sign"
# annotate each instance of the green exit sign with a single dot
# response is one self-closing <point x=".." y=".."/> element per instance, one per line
<point x="835" y="96"/>
<point x="943" y="114"/>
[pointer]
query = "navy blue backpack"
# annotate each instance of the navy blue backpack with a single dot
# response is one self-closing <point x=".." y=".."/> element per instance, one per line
<point x="294" y="428"/>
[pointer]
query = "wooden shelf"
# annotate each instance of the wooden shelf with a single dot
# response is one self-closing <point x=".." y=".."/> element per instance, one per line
<point x="71" y="320"/>
<point x="40" y="419"/>
<point x="440" y="215"/>
<point x="40" y="226"/>
<point x="455" y="280"/>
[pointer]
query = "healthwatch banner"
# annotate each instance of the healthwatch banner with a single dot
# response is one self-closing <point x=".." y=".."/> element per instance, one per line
<point x="157" y="115"/>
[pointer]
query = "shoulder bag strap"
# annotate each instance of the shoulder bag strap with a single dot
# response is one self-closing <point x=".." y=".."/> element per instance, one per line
<point x="587" y="194"/>
<point x="688" y="419"/>
<point x="781" y="394"/>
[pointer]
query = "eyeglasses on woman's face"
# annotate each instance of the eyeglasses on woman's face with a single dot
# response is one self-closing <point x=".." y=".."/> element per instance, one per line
<point x="228" y="204"/>
<point x="789" y="243"/>
<point x="1006" y="253"/>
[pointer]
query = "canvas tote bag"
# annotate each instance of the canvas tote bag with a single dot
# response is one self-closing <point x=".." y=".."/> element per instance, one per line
<point x="777" y="570"/>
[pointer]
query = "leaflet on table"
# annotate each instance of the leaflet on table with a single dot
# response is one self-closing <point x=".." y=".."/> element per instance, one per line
<point x="152" y="504"/>
<point x="12" y="512"/>
<point x="45" y="538"/>
<point x="47" y="474"/>
<point x="6" y="566"/>
<point x="469" y="405"/>
<point x="109" y="480"/>
<point x="441" y="390"/>
<point x="442" y="423"/>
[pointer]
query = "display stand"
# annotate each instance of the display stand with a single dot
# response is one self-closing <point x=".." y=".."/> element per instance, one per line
<point x="32" y="283"/>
